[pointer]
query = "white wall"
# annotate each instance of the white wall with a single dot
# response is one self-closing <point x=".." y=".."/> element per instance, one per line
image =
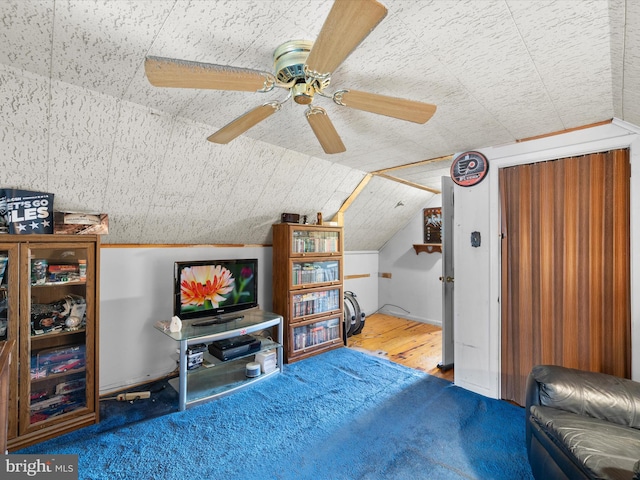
<point x="364" y="265"/>
<point x="477" y="290"/>
<point x="414" y="290"/>
<point x="136" y="290"/>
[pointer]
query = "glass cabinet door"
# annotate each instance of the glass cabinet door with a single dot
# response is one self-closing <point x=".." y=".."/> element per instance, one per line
<point x="315" y="240"/>
<point x="314" y="302"/>
<point x="8" y="292"/>
<point x="314" y="334"/>
<point x="56" y="333"/>
<point x="9" y="301"/>
<point x="4" y="296"/>
<point x="315" y="273"/>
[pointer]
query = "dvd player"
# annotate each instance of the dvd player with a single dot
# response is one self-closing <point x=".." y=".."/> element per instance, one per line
<point x="234" y="347"/>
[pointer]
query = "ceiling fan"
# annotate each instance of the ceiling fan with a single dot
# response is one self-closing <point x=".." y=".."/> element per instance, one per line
<point x="302" y="67"/>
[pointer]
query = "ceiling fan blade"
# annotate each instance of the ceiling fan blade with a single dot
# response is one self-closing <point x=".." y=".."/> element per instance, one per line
<point x="244" y="123"/>
<point x="409" y="110"/>
<point x="169" y="72"/>
<point x="324" y="130"/>
<point x="348" y="23"/>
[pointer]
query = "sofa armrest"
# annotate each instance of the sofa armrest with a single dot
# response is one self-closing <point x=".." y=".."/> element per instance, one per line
<point x="532" y="392"/>
<point x="594" y="394"/>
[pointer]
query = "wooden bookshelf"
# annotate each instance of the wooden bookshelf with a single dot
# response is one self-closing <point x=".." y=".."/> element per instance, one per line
<point x="308" y="287"/>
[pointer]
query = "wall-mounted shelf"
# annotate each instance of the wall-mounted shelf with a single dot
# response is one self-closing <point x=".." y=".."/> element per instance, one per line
<point x="427" y="247"/>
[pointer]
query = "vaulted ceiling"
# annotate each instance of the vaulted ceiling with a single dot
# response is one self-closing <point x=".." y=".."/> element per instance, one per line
<point x="78" y="117"/>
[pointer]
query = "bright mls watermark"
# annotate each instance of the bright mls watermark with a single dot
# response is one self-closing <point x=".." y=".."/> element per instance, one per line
<point x="52" y="467"/>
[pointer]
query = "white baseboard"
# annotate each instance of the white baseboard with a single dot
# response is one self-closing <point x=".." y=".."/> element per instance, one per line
<point x="132" y="382"/>
<point x="401" y="314"/>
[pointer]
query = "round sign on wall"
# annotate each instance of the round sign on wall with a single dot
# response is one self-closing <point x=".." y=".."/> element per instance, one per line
<point x="469" y="169"/>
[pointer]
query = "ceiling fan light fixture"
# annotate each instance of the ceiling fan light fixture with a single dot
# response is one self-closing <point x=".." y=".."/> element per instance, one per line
<point x="303" y="93"/>
<point x="289" y="59"/>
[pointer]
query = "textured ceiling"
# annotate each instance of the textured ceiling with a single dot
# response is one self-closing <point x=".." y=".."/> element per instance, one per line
<point x="78" y="117"/>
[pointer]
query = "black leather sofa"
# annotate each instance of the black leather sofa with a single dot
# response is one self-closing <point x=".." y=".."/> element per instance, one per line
<point x="582" y="425"/>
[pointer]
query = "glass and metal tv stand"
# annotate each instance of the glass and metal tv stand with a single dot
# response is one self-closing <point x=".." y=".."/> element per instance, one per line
<point x="215" y="377"/>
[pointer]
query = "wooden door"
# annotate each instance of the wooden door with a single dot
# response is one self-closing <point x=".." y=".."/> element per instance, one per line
<point x="565" y="267"/>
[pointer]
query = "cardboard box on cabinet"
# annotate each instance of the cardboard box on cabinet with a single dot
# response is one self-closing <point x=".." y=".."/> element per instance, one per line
<point x="77" y="223"/>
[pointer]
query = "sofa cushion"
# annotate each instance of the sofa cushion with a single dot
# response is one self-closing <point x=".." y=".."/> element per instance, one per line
<point x="594" y="394"/>
<point x="606" y="450"/>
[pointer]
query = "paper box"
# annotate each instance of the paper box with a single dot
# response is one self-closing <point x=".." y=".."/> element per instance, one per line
<point x="267" y="361"/>
<point x="77" y="223"/>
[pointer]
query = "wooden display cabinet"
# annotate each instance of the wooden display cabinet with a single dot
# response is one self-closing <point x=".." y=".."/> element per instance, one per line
<point x="50" y="290"/>
<point x="307" y="287"/>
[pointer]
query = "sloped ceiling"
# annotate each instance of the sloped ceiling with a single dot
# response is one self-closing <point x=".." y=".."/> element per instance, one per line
<point x="78" y="117"/>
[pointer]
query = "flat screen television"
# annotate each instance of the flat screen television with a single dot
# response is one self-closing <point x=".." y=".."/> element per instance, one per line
<point x="208" y="288"/>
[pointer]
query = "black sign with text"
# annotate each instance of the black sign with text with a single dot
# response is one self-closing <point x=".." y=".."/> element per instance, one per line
<point x="23" y="211"/>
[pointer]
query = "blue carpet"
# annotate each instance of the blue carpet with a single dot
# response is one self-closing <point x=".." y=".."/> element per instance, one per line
<point x="340" y="415"/>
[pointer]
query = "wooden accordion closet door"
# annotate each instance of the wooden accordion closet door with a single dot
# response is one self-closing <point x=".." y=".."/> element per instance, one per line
<point x="565" y="267"/>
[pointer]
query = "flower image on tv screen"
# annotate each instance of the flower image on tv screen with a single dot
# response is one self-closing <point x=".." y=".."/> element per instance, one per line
<point x="207" y="288"/>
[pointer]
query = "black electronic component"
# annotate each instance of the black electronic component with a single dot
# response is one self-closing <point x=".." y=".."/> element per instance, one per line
<point x="230" y="348"/>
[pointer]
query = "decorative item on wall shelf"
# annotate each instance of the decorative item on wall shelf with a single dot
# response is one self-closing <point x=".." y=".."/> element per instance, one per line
<point x="433" y="225"/>
<point x="432" y="231"/>
<point x="427" y="247"/>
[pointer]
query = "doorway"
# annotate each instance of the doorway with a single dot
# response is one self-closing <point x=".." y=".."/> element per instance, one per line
<point x="565" y="267"/>
<point x="412" y="344"/>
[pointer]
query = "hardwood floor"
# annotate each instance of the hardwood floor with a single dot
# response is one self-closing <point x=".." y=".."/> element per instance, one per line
<point x="413" y="344"/>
